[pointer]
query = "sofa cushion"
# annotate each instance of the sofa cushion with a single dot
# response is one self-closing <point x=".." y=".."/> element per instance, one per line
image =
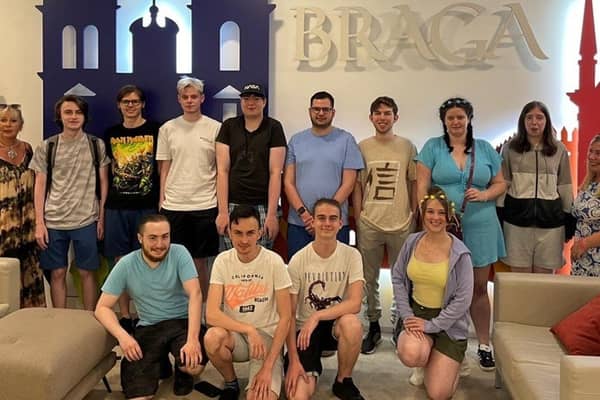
<point x="530" y="359"/>
<point x="46" y="352"/>
<point x="579" y="331"/>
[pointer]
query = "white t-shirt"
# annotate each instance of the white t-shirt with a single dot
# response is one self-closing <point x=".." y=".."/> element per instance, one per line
<point x="322" y="282"/>
<point x="190" y="146"/>
<point x="249" y="288"/>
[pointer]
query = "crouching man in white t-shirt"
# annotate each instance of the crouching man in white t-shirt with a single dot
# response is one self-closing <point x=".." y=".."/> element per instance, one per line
<point x="327" y="287"/>
<point x="253" y="285"/>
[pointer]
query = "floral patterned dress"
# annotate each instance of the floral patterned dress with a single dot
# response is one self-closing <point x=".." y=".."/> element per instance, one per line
<point x="586" y="209"/>
<point x="17" y="227"/>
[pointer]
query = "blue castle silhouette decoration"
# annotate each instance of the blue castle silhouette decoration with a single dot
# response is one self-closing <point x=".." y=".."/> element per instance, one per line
<point x="154" y="57"/>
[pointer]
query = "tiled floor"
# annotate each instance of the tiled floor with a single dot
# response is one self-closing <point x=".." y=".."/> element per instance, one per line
<point x="379" y="376"/>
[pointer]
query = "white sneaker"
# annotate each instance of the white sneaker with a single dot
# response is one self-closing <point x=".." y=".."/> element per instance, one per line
<point x="417" y="377"/>
<point x="465" y="369"/>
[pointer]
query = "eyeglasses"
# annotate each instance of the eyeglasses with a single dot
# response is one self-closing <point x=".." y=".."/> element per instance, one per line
<point x="13" y="106"/>
<point x="131" y="102"/>
<point x="324" y="110"/>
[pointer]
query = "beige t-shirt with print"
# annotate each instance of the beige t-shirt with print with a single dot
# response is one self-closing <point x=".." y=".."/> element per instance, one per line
<point x="389" y="166"/>
<point x="322" y="282"/>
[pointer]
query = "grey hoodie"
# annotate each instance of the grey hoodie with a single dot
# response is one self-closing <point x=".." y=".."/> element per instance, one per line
<point x="453" y="319"/>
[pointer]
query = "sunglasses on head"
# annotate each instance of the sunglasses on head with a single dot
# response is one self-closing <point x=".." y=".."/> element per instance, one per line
<point x="13" y="106"/>
<point x="454" y="102"/>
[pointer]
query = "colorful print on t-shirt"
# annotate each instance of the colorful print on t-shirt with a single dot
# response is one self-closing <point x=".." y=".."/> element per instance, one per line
<point x="132" y="164"/>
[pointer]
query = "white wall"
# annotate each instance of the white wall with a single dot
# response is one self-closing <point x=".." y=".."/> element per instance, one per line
<point x="498" y="90"/>
<point x="21" y="60"/>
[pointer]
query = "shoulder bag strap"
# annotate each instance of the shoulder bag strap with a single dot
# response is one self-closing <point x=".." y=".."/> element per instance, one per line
<point x="470" y="180"/>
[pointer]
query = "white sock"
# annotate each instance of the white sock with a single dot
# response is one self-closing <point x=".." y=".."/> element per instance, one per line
<point x="485" y="347"/>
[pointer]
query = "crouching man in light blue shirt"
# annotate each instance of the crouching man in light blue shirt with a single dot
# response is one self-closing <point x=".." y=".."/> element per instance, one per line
<point x="163" y="284"/>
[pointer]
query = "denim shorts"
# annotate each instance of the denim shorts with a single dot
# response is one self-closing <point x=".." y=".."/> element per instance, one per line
<point x="84" y="243"/>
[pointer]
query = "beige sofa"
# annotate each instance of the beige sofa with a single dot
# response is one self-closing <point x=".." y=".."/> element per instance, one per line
<point x="10" y="285"/>
<point x="530" y="361"/>
<point x="52" y="354"/>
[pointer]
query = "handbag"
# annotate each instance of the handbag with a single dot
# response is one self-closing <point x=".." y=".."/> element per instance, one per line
<point x="455" y="225"/>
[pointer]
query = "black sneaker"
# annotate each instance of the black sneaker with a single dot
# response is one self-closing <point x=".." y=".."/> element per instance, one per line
<point x="370" y="342"/>
<point x="346" y="390"/>
<point x="166" y="369"/>
<point x="486" y="359"/>
<point x="229" y="394"/>
<point x="183" y="383"/>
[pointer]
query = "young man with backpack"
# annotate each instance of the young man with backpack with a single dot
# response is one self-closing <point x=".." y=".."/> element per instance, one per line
<point x="71" y="183"/>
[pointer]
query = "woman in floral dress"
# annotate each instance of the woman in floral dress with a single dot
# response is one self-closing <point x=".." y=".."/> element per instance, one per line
<point x="585" y="253"/>
<point x="17" y="215"/>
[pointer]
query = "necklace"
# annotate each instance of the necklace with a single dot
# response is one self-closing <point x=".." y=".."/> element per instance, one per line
<point x="11" y="153"/>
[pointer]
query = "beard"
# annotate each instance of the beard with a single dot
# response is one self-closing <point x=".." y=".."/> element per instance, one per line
<point x="152" y="258"/>
<point x="321" y="124"/>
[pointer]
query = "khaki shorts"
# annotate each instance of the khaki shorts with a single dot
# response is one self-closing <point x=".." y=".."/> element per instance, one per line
<point x="531" y="246"/>
<point x="241" y="353"/>
<point x="454" y="349"/>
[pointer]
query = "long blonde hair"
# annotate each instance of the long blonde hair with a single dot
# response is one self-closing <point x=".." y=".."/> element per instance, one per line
<point x="589" y="176"/>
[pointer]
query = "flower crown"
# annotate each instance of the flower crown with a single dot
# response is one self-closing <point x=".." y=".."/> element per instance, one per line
<point x="440" y="196"/>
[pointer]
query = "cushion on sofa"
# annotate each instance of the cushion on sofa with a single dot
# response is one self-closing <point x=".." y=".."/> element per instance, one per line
<point x="530" y="360"/>
<point x="46" y="352"/>
<point x="579" y="331"/>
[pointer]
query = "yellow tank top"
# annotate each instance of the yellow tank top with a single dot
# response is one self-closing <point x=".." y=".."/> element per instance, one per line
<point x="429" y="281"/>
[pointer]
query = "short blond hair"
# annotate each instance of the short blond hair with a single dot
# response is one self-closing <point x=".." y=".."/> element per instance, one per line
<point x="13" y="110"/>
<point x="188" y="81"/>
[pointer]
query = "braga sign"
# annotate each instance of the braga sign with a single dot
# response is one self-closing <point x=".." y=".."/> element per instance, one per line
<point x="354" y="34"/>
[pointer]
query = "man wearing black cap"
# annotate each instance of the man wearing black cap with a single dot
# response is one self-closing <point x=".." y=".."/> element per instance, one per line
<point x="250" y="153"/>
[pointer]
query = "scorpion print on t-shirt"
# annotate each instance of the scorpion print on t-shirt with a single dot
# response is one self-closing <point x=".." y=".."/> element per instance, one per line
<point x="322" y="282"/>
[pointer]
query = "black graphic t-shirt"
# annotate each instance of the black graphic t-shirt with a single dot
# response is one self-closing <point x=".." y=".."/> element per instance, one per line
<point x="133" y="176"/>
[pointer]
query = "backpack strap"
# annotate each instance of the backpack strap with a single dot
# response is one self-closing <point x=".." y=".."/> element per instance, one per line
<point x="93" y="143"/>
<point x="50" y="157"/>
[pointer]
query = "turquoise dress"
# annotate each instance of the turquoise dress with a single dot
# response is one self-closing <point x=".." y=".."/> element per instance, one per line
<point x="481" y="229"/>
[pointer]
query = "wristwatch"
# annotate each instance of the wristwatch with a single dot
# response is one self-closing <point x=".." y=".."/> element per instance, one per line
<point x="301" y="210"/>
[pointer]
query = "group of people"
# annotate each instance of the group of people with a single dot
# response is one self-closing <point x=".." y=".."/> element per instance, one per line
<point x="255" y="305"/>
<point x="165" y="198"/>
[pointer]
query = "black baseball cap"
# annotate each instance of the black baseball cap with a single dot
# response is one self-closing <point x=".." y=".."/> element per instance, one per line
<point x="253" y="88"/>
